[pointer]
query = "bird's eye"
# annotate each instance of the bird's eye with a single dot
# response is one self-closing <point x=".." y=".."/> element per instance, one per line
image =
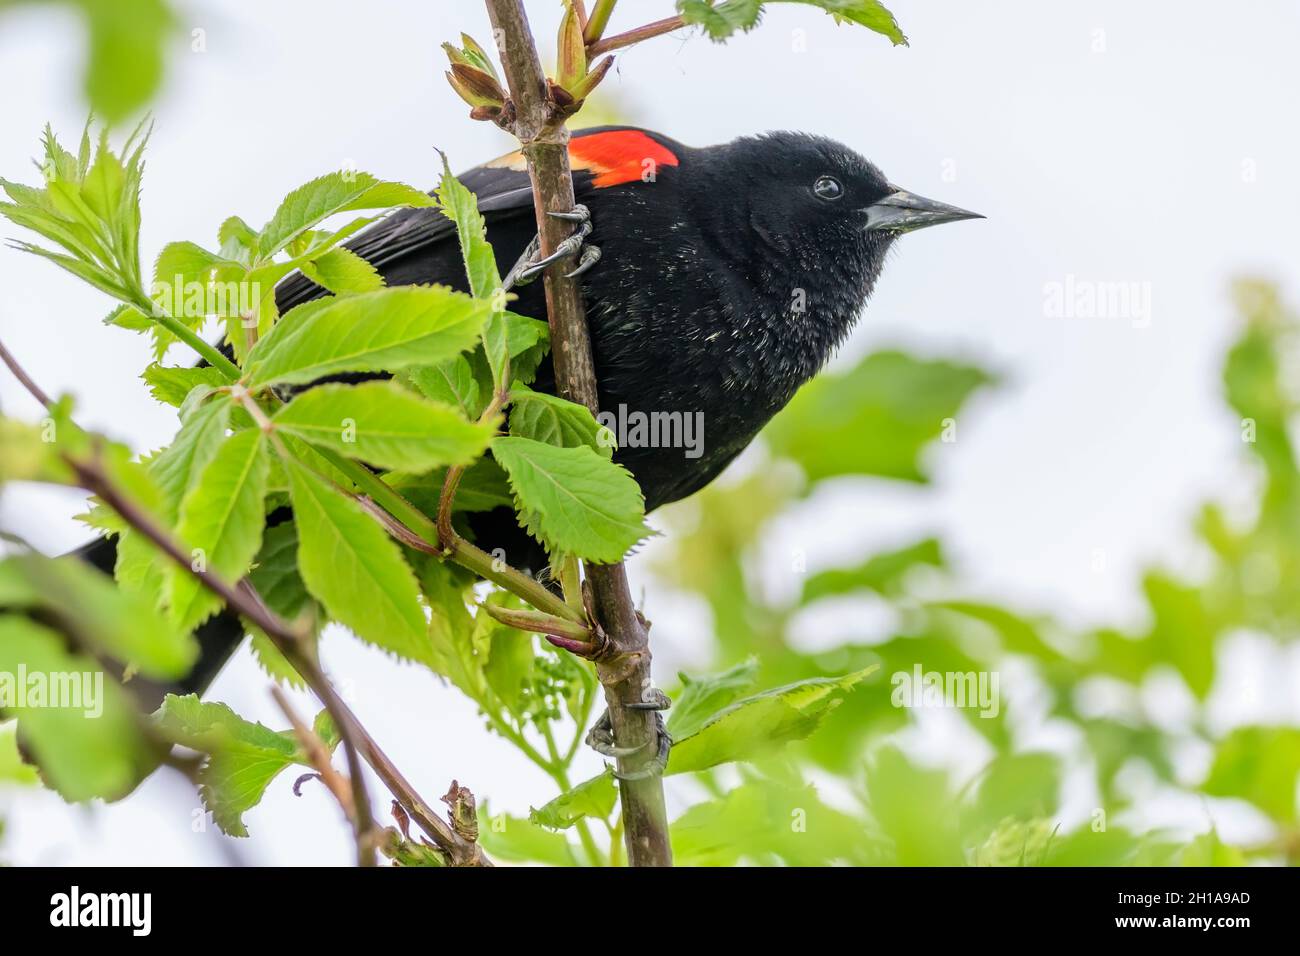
<point x="828" y="188"/>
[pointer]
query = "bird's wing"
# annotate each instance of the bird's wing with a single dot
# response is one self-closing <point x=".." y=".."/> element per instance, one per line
<point x="601" y="157"/>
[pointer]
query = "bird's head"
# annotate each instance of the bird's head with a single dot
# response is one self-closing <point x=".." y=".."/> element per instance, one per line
<point x="813" y="189"/>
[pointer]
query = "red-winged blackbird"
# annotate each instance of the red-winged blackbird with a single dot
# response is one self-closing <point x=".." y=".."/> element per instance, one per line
<point x="728" y="276"/>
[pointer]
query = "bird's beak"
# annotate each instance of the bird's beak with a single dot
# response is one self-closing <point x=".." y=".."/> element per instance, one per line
<point x="901" y="211"/>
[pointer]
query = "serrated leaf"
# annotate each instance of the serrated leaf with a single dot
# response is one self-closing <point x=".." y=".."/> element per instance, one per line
<point x="355" y="570"/>
<point x="330" y="194"/>
<point x="723" y="18"/>
<point x="592" y="798"/>
<point x="556" y="421"/>
<point x="243" y="757"/>
<point x="343" y="271"/>
<point x="572" y="499"/>
<point x="384" y="425"/>
<point x="451" y="382"/>
<point x="702" y="697"/>
<point x="139" y="565"/>
<point x="460" y="206"/>
<point x="221" y="520"/>
<point x="171" y="385"/>
<point x="755" y="725"/>
<point x="386" y="330"/>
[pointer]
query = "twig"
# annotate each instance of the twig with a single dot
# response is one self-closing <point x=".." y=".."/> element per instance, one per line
<point x="621" y="40"/>
<point x="625" y="671"/>
<point x="21" y="374"/>
<point x="319" y="756"/>
<point x="244" y="599"/>
<point x="598" y="20"/>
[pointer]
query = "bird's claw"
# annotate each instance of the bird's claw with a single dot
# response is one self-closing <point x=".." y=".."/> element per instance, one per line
<point x="601" y="739"/>
<point x="529" y="267"/>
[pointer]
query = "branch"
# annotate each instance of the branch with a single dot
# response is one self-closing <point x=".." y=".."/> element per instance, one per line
<point x="21" y="374"/>
<point x="625" y="670"/>
<point x="244" y="600"/>
<point x="619" y="41"/>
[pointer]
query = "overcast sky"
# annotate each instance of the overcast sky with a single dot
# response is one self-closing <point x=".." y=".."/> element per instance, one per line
<point x="1151" y="145"/>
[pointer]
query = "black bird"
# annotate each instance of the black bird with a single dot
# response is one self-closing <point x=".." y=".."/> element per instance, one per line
<point x="727" y="277"/>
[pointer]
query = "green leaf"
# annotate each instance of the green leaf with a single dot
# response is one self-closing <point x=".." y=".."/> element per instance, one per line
<point x="572" y="499"/>
<point x="1021" y="786"/>
<point x="511" y="662"/>
<point x="1259" y="764"/>
<point x="343" y="271"/>
<point x="881" y="573"/>
<point x="180" y="280"/>
<point x="451" y="382"/>
<point x="455" y="652"/>
<point x="516" y="840"/>
<point x="90" y="744"/>
<point x="384" y="425"/>
<point x="385" y="330"/>
<point x="104" y="183"/>
<point x="171" y="385"/>
<point x="768" y="822"/>
<point x="275" y="577"/>
<point x="125" y="66"/>
<point x="703" y="697"/>
<point x="722" y="18"/>
<point x="25" y="455"/>
<point x="330" y="194"/>
<point x="178" y="466"/>
<point x="355" y="570"/>
<point x="459" y="205"/>
<point x="592" y="798"/>
<point x="275" y="573"/>
<point x="556" y="421"/>
<point x="1185" y="631"/>
<point x="243" y="757"/>
<point x="914" y="808"/>
<point x="756" y="725"/>
<point x="140" y="567"/>
<point x="12" y="768"/>
<point x="875" y="419"/>
<point x="221" y="520"/>
<point x="121" y="623"/>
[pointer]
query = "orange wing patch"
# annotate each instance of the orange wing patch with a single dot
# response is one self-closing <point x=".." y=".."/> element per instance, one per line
<point x="619" y="156"/>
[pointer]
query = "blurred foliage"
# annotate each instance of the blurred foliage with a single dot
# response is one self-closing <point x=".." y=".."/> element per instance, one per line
<point x="125" y="50"/>
<point x="894" y="806"/>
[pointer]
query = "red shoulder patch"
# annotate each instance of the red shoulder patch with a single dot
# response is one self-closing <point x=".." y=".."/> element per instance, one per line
<point x="618" y="156"/>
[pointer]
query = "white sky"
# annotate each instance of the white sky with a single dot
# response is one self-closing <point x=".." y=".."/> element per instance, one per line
<point x="1106" y="141"/>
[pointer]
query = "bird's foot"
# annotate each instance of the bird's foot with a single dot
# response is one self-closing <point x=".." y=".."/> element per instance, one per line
<point x="601" y="738"/>
<point x="529" y="266"/>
